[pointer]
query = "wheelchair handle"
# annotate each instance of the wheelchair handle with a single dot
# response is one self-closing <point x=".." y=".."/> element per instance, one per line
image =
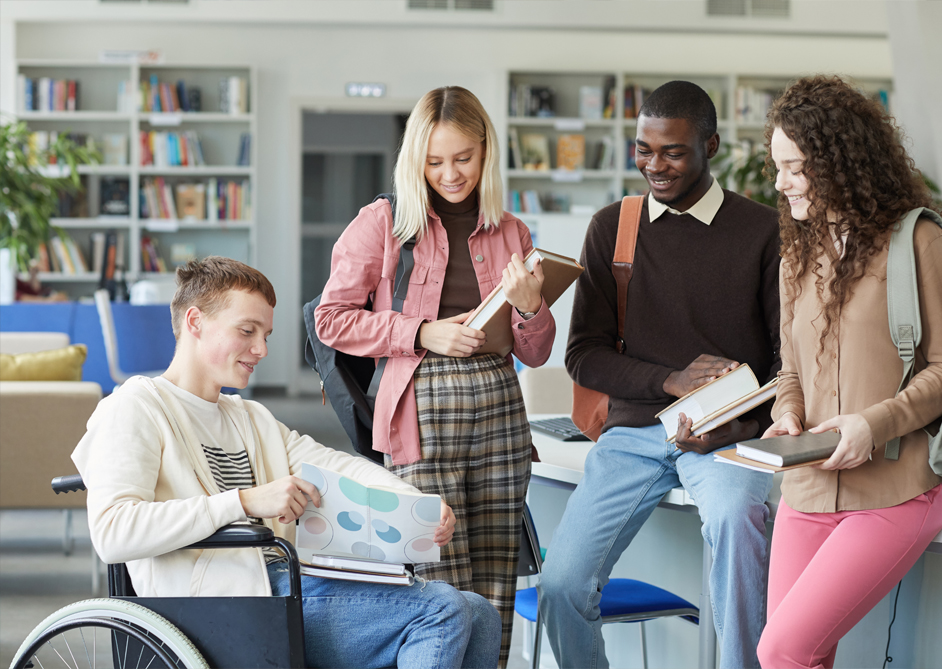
<point x="73" y="483"/>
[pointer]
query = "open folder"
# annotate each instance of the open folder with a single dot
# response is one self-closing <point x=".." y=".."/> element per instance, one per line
<point x="493" y="314"/>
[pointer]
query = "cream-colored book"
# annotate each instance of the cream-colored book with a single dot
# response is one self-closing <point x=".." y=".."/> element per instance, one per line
<point x="493" y="316"/>
<point x="718" y="402"/>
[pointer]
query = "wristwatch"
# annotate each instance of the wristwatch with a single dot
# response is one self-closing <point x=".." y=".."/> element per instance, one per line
<point x="526" y="315"/>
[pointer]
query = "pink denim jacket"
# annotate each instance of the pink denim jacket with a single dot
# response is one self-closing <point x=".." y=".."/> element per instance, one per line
<point x="363" y="265"/>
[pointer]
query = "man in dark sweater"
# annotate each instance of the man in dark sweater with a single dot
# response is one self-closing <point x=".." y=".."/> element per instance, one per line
<point x="703" y="299"/>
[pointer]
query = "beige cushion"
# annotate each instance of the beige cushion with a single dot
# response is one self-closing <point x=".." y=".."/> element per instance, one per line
<point x="30" y="342"/>
<point x="42" y="422"/>
<point x="62" y="364"/>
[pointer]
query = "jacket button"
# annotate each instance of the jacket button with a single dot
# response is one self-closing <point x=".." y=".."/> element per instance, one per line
<point x="479" y="258"/>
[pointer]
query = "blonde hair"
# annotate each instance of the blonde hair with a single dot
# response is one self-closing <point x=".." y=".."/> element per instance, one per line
<point x="460" y="109"/>
<point x="206" y="284"/>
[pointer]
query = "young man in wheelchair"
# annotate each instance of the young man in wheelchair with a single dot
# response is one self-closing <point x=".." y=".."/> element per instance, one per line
<point x="168" y="461"/>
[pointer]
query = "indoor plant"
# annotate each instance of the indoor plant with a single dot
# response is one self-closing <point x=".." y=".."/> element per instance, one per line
<point x="30" y="187"/>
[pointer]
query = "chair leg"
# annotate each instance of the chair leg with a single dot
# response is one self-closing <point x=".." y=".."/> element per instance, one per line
<point x="644" y="648"/>
<point x="537" y="642"/>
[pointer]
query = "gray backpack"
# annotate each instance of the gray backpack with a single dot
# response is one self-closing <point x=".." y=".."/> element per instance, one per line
<point x="902" y="296"/>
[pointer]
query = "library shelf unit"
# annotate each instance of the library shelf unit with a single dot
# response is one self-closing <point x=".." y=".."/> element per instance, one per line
<point x="553" y="104"/>
<point x="110" y="103"/>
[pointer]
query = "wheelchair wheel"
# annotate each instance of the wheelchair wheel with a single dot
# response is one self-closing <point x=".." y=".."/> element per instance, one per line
<point x="107" y="633"/>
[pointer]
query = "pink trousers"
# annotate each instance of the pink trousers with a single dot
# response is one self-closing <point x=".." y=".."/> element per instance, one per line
<point x="827" y="570"/>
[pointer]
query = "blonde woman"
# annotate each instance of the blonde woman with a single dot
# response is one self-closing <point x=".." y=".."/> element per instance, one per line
<point x="450" y="421"/>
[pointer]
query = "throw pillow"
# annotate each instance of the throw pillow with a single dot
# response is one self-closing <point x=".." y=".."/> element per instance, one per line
<point x="61" y="364"/>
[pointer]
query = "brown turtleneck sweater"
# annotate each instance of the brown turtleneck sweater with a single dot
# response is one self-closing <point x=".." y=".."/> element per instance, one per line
<point x="460" y="290"/>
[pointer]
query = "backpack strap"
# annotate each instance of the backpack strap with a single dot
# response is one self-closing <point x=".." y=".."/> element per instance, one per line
<point x="629" y="220"/>
<point x="902" y="298"/>
<point x="400" y="289"/>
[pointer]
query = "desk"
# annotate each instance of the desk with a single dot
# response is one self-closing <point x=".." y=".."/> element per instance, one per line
<point x="145" y="336"/>
<point x="562" y="465"/>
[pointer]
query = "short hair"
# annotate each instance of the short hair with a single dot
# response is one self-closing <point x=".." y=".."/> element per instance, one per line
<point x="205" y="284"/>
<point x="460" y="109"/>
<point x="686" y="100"/>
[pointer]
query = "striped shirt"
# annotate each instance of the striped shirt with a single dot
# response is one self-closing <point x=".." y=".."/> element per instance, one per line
<point x="223" y="446"/>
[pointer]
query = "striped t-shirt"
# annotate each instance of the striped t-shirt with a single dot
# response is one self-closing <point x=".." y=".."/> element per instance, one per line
<point x="223" y="446"/>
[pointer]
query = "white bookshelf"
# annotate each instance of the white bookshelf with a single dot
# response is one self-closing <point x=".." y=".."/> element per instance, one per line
<point x="590" y="189"/>
<point x="101" y="112"/>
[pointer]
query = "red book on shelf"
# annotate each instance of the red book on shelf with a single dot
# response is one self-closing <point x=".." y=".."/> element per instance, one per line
<point x="70" y="101"/>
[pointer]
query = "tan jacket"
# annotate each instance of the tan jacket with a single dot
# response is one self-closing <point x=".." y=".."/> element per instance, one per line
<point x="859" y="372"/>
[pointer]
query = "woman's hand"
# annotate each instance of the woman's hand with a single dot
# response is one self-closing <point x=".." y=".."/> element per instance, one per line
<point x="856" y="442"/>
<point x="449" y="337"/>
<point x="787" y="424"/>
<point x="521" y="288"/>
<point x="446" y="530"/>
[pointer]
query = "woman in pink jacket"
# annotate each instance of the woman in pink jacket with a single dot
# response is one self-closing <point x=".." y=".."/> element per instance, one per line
<point x="450" y="421"/>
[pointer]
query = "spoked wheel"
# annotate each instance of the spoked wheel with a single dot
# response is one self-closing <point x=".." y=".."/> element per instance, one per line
<point x="107" y="633"/>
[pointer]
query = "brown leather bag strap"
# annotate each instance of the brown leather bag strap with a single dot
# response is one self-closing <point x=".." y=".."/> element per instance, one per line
<point x="629" y="220"/>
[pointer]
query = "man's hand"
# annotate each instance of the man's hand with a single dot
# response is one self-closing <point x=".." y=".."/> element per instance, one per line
<point x="521" y="288"/>
<point x="283" y="499"/>
<point x="699" y="372"/>
<point x="446" y="530"/>
<point x="856" y="442"/>
<point x="449" y="337"/>
<point x="787" y="424"/>
<point x="730" y="433"/>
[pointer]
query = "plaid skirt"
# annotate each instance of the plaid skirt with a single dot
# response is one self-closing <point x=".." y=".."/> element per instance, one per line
<point x="475" y="444"/>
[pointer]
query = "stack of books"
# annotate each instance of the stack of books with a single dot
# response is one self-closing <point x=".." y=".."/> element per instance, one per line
<point x="780" y="454"/>
<point x="353" y="569"/>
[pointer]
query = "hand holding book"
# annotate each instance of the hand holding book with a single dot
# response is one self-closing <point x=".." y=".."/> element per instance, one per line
<point x="521" y="288"/>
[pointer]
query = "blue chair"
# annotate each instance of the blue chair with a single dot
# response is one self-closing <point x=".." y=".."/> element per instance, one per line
<point x="623" y="600"/>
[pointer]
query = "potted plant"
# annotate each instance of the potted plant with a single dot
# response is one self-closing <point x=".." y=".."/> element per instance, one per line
<point x="741" y="168"/>
<point x="30" y="184"/>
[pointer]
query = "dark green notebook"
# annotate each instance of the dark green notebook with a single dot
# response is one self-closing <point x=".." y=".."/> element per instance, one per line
<point x="788" y="450"/>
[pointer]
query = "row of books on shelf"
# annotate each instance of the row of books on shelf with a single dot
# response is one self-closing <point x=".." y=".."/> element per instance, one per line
<point x="152" y="259"/>
<point x="113" y="147"/>
<point x="531" y="151"/>
<point x="160" y="96"/>
<point x="752" y="104"/>
<point x="171" y="149"/>
<point x="213" y="200"/>
<point x="47" y="94"/>
<point x="533" y="202"/>
<point x="63" y="255"/>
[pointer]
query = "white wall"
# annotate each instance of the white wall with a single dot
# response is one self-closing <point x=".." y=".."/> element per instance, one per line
<point x="306" y="64"/>
<point x="917" y="72"/>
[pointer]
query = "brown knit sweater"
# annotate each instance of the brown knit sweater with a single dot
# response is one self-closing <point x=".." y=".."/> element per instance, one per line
<point x="696" y="289"/>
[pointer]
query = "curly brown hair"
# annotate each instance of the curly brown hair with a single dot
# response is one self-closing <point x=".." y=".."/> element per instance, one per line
<point x="857" y="169"/>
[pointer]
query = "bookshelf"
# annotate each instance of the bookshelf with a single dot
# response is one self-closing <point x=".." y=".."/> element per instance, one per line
<point x="602" y="107"/>
<point x="109" y="103"/>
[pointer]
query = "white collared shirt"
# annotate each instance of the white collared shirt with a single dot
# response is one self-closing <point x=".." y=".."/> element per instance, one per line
<point x="704" y="210"/>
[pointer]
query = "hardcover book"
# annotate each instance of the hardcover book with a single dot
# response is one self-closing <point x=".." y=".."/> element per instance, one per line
<point x="718" y="402"/>
<point x="788" y="450"/>
<point x="493" y="315"/>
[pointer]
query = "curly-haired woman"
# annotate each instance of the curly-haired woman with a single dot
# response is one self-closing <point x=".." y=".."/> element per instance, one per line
<point x="849" y="529"/>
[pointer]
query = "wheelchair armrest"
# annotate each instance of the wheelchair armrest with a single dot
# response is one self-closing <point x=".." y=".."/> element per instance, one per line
<point x="246" y="536"/>
<point x="235" y="536"/>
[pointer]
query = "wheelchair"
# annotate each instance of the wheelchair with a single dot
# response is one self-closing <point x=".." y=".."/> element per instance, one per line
<point x="125" y="631"/>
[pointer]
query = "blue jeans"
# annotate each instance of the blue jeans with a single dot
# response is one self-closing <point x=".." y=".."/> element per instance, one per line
<point x="626" y="475"/>
<point x="426" y="625"/>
